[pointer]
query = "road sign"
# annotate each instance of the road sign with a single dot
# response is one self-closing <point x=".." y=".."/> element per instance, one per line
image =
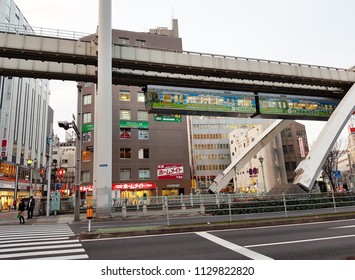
<point x="55" y="202"/>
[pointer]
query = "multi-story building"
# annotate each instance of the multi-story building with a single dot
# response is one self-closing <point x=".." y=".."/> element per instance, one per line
<point x="150" y="152"/>
<point x="294" y="146"/>
<point x="266" y="169"/>
<point x="210" y="149"/>
<point x="24" y="118"/>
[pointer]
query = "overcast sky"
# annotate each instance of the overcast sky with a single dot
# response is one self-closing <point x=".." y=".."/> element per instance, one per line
<point x="319" y="32"/>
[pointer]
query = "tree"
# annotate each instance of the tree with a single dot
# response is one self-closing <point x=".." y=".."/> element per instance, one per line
<point x="331" y="162"/>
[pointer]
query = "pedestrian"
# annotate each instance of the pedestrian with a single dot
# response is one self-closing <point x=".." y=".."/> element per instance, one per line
<point x="30" y="207"/>
<point x="0" y="205"/>
<point x="21" y="211"/>
<point x="14" y="204"/>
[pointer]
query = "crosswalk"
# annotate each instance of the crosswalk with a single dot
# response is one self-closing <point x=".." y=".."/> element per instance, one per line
<point x="50" y="242"/>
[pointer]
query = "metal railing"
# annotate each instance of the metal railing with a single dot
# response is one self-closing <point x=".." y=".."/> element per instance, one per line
<point x="222" y="207"/>
<point x="40" y="31"/>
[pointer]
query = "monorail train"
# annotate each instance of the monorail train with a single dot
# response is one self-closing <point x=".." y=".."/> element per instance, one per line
<point x="190" y="101"/>
<point x="296" y="107"/>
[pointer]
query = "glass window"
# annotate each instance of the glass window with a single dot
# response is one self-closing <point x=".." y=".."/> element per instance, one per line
<point x="123" y="40"/>
<point x="87" y="99"/>
<point x="86" y="117"/>
<point x="142" y="115"/>
<point x="140" y="97"/>
<point x="125" y="152"/>
<point x="125" y="133"/>
<point x="125" y="174"/>
<point x="143" y="173"/>
<point x="140" y="43"/>
<point x="125" y="96"/>
<point x="85" y="176"/>
<point x="143" y="134"/>
<point x="125" y="114"/>
<point x="143" y="153"/>
<point x="86" y="136"/>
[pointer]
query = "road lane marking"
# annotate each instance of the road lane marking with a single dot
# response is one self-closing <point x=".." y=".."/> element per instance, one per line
<point x="300" y="241"/>
<point x="351" y="226"/>
<point x="234" y="247"/>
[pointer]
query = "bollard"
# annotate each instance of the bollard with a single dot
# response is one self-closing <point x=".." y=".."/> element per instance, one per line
<point x="145" y="212"/>
<point x="183" y="208"/>
<point x="89" y="215"/>
<point x="124" y="211"/>
<point x="202" y="209"/>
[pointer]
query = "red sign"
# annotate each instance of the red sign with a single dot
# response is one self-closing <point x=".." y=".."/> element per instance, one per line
<point x="170" y="171"/>
<point x="133" y="186"/>
<point x="86" y="188"/>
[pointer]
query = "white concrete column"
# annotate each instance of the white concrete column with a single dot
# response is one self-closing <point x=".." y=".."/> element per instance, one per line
<point x="103" y="114"/>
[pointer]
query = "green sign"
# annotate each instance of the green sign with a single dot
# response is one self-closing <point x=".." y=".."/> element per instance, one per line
<point x="134" y="124"/>
<point x="167" y="118"/>
<point x="87" y="127"/>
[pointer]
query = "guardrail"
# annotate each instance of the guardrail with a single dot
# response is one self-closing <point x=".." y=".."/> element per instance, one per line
<point x="40" y="31"/>
<point x="222" y="207"/>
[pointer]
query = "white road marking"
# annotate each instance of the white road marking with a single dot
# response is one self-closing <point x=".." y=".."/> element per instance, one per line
<point x="351" y="226"/>
<point x="300" y="241"/>
<point x="234" y="247"/>
<point x="30" y="254"/>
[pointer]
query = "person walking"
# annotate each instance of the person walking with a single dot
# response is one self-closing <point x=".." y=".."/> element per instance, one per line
<point x="30" y="207"/>
<point x="21" y="211"/>
<point x="0" y="204"/>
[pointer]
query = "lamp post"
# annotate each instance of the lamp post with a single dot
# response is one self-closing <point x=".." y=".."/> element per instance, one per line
<point x="29" y="164"/>
<point x="261" y="159"/>
<point x="66" y="125"/>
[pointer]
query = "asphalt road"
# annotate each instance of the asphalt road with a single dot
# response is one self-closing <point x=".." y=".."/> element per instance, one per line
<point x="331" y="240"/>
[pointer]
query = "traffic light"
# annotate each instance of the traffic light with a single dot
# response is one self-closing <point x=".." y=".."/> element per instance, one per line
<point x="43" y="172"/>
<point x="60" y="173"/>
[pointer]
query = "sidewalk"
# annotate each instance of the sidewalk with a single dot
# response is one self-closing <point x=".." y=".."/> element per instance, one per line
<point x="10" y="218"/>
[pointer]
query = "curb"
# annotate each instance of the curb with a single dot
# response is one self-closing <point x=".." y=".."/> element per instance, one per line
<point x="216" y="226"/>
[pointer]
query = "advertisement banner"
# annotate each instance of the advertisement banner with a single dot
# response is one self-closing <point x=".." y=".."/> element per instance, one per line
<point x="134" y="186"/>
<point x="302" y="149"/>
<point x="170" y="171"/>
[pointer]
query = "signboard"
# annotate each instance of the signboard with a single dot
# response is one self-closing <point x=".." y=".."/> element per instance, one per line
<point x="170" y="171"/>
<point x="336" y="174"/>
<point x="3" y="147"/>
<point x="86" y="127"/>
<point x="55" y="202"/>
<point x="134" y="186"/>
<point x="167" y="118"/>
<point x="301" y="145"/>
<point x="134" y="124"/>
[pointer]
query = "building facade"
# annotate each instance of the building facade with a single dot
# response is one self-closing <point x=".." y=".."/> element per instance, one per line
<point x="24" y="118"/>
<point x="266" y="169"/>
<point x="295" y="147"/>
<point x="150" y="152"/>
<point x="210" y="147"/>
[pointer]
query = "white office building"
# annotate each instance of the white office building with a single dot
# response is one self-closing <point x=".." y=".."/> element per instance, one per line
<point x="24" y="120"/>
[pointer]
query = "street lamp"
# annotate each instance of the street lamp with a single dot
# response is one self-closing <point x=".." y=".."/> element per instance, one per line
<point x="66" y="125"/>
<point x="261" y="159"/>
<point x="29" y="164"/>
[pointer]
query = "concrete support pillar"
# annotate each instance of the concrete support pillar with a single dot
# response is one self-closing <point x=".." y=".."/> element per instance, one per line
<point x="103" y="114"/>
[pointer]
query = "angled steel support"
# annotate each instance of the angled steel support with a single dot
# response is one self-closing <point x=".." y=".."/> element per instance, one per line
<point x="308" y="169"/>
<point x="268" y="135"/>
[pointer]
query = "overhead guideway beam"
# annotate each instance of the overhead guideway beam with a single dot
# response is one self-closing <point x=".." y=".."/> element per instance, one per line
<point x="84" y="51"/>
<point x="222" y="180"/>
